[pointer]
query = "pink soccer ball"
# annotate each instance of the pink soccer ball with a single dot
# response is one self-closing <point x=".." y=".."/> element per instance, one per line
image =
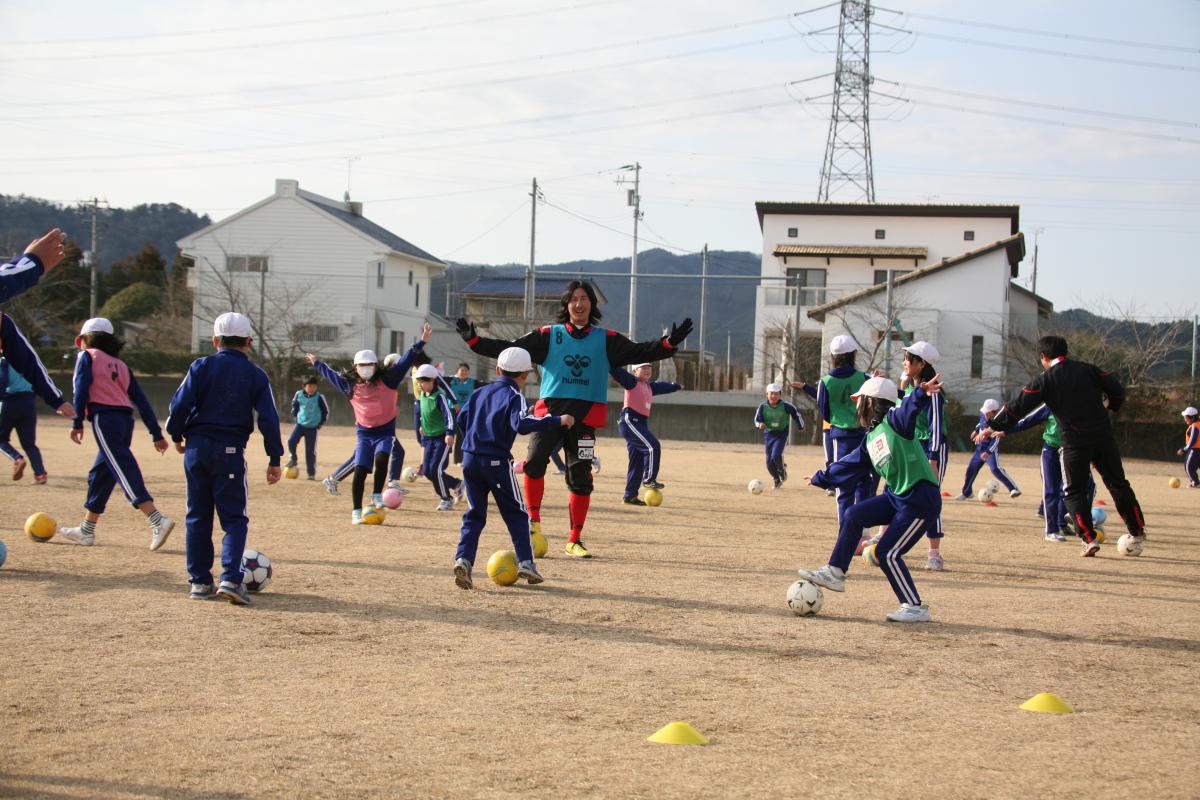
<point x="393" y="498"/>
<point x="519" y="467"/>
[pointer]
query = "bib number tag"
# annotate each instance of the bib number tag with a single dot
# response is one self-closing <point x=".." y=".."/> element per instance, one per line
<point x="587" y="448"/>
<point x="879" y="451"/>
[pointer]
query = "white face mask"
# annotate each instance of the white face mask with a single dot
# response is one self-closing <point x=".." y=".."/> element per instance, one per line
<point x="366" y="372"/>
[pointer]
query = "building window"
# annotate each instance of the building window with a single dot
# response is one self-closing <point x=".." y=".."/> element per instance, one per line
<point x="396" y="342"/>
<point x="880" y="233"/>
<point x="793" y="233"/>
<point x="317" y="334"/>
<point x="968" y="236"/>
<point x="881" y="275"/>
<point x="976" y="356"/>
<point x="379" y="275"/>
<point x="247" y="264"/>
<point x="418" y="295"/>
<point x="410" y="277"/>
<point x="811" y="285"/>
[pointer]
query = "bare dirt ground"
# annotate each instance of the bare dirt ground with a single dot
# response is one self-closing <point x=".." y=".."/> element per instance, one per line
<point x="364" y="672"/>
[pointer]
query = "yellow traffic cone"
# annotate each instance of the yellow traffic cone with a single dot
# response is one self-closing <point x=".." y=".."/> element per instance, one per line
<point x="1047" y="703"/>
<point x="677" y="733"/>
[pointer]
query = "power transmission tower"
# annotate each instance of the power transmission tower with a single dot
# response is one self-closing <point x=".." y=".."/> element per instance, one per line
<point x="848" y="149"/>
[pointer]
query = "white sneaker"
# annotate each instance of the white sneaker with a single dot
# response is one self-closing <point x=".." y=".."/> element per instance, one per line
<point x="331" y="486"/>
<point x="1055" y="537"/>
<point x="77" y="536"/>
<point x="462" y="574"/>
<point x="828" y="576"/>
<point x="445" y="505"/>
<point x="908" y="613"/>
<point x="460" y="492"/>
<point x="397" y="487"/>
<point x="356" y="517"/>
<point x="1014" y="494"/>
<point x="160" y="532"/>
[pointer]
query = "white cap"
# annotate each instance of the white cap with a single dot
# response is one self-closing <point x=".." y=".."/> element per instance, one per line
<point x="989" y="405"/>
<point x="883" y="388"/>
<point x="842" y="344"/>
<point x="1191" y="411"/>
<point x="639" y="366"/>
<point x="365" y="357"/>
<point x="390" y="359"/>
<point x="96" y="325"/>
<point x="924" y="351"/>
<point x="232" y="323"/>
<point x="514" y="359"/>
<point x="774" y="387"/>
<point x="426" y="371"/>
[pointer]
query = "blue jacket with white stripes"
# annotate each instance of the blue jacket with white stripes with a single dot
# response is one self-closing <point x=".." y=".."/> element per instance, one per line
<point x="24" y="359"/>
<point x="83" y="382"/>
<point x="493" y="417"/>
<point x="989" y="445"/>
<point x="627" y="380"/>
<point x="218" y="399"/>
<point x="443" y="403"/>
<point x="19" y="275"/>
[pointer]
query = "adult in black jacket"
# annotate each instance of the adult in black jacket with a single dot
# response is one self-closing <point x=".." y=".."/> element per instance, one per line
<point x="1075" y="392"/>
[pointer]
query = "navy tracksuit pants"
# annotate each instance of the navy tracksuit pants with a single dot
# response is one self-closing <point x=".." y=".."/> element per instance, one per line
<point x="976" y="463"/>
<point x="216" y="483"/>
<point x="114" y="463"/>
<point x="437" y="458"/>
<point x="1191" y="464"/>
<point x="394" y="471"/>
<point x="484" y="475"/>
<point x="645" y="452"/>
<point x="844" y="442"/>
<point x="309" y="435"/>
<point x="775" y="442"/>
<point x="18" y="412"/>
<point x="942" y="457"/>
<point x="907" y="518"/>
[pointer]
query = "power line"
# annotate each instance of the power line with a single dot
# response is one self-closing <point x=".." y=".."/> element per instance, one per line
<point x="502" y="220"/>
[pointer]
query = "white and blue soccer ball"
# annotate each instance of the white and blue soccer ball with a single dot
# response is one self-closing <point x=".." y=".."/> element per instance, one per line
<point x="256" y="570"/>
<point x="805" y="598"/>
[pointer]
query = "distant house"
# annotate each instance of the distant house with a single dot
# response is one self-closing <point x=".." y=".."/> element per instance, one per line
<point x="311" y="272"/>
<point x="825" y="271"/>
<point x="497" y="304"/>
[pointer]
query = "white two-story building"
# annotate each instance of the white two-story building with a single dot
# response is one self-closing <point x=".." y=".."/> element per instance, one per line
<point x="312" y="273"/>
<point x="824" y="272"/>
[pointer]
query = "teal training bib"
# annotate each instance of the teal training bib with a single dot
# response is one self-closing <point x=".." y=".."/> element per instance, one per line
<point x="310" y="410"/>
<point x="576" y="368"/>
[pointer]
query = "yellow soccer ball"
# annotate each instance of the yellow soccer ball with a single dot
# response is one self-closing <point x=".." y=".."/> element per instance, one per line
<point x="1173" y="483"/>
<point x="502" y="567"/>
<point x="869" y="555"/>
<point x="40" y="527"/>
<point x="372" y="516"/>
<point x="540" y="545"/>
<point x="1100" y="535"/>
<point x="291" y="473"/>
<point x="652" y="497"/>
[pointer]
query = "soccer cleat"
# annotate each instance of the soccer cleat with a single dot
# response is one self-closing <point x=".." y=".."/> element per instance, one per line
<point x="160" y="532"/>
<point x="40" y="480"/>
<point x="578" y="550"/>
<point x="1090" y="548"/>
<point x="331" y="486"/>
<point x="935" y="563"/>
<point x="78" y="536"/>
<point x="462" y="574"/>
<point x="826" y="576"/>
<point x="529" y="572"/>
<point x="356" y="517"/>
<point x="460" y="492"/>
<point x="634" y="501"/>
<point x="235" y="593"/>
<point x="200" y="591"/>
<point x="291" y="462"/>
<point x="445" y="505"/>
<point x="654" y="485"/>
<point x="19" y="469"/>
<point x="910" y="613"/>
<point x="1014" y="494"/>
<point x="1055" y="536"/>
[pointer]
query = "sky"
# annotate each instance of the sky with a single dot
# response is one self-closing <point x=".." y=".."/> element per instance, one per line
<point x="437" y="116"/>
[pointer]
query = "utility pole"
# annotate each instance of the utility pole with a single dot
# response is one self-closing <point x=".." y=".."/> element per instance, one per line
<point x="848" y="149"/>
<point x="92" y="259"/>
<point x="1195" y="330"/>
<point x="887" y="331"/>
<point x="529" y="272"/>
<point x="262" y="301"/>
<point x="703" y="308"/>
<point x="728" y="364"/>
<point x="634" y="198"/>
<point x="1036" y="233"/>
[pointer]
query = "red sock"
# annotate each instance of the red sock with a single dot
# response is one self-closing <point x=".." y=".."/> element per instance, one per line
<point x="534" y="489"/>
<point x="577" y="506"/>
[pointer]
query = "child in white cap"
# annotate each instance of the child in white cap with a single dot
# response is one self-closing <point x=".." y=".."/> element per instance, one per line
<point x="1191" y="446"/>
<point x="490" y="421"/>
<point x="987" y="451"/>
<point x="105" y="394"/>
<point x="645" y="452"/>
<point x="433" y="420"/>
<point x="372" y="391"/>
<point x="919" y="361"/>
<point x="773" y="418"/>
<point x="911" y="500"/>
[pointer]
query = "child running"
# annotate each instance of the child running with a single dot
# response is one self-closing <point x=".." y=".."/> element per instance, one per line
<point x="395" y="465"/>
<point x="645" y="452"/>
<point x="1191" y="446"/>
<point x="773" y="418"/>
<point x="105" y="394"/>
<point x="919" y="361"/>
<point x="911" y="500"/>
<point x="987" y="451"/>
<point x="310" y="411"/>
<point x="372" y="391"/>
<point x="18" y="411"/>
<point x="491" y="419"/>
<point x="434" y="421"/>
<point x="211" y="419"/>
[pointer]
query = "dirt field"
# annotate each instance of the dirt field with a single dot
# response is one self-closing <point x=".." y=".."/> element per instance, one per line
<point x="364" y="672"/>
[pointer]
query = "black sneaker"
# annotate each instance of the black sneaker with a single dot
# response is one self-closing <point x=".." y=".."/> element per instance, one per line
<point x="291" y="462"/>
<point x="634" y="501"/>
<point x="778" y="483"/>
<point x="783" y="472"/>
<point x="654" y="485"/>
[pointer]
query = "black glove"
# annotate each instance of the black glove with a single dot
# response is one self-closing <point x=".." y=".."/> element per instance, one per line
<point x="465" y="329"/>
<point x="679" y="332"/>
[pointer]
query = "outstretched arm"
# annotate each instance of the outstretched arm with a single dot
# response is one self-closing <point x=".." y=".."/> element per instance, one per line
<point x="623" y="377"/>
<point x="536" y="342"/>
<point x="41" y="256"/>
<point x="623" y="351"/>
<point x="1032" y="419"/>
<point x="327" y="372"/>
<point x="24" y="359"/>
<point x="1026" y="400"/>
<point x="903" y="418"/>
<point x="664" y="387"/>
<point x="845" y="471"/>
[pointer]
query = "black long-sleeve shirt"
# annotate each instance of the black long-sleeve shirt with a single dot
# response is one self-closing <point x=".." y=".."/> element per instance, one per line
<point x="619" y="349"/>
<point x="1074" y="391"/>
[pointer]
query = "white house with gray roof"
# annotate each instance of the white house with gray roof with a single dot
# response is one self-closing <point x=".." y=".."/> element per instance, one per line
<point x="312" y="273"/>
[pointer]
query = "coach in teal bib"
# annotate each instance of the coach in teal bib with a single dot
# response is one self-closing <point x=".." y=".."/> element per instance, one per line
<point x="576" y="368"/>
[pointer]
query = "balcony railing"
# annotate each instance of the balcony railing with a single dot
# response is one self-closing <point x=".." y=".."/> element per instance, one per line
<point x="809" y="295"/>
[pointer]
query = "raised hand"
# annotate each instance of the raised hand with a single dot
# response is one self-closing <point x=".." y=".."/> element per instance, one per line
<point x="310" y="358"/>
<point x="465" y="329"/>
<point x="933" y="385"/>
<point x="679" y="332"/>
<point x="426" y="332"/>
<point x="48" y="249"/>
